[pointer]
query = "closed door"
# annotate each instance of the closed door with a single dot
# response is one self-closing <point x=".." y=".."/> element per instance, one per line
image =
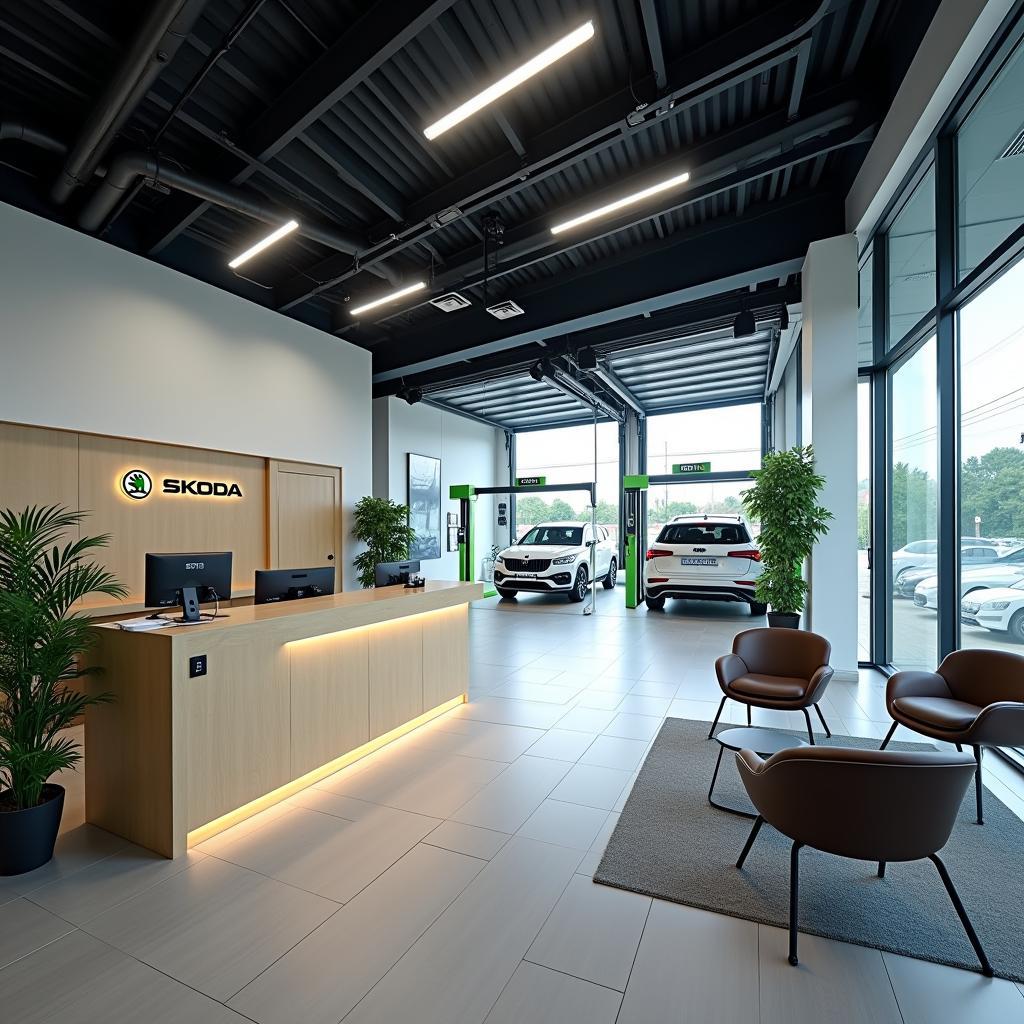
<point x="306" y="502"/>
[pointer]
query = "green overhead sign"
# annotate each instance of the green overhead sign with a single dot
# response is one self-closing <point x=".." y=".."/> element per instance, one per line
<point x="691" y="467"/>
<point x="531" y="481"/>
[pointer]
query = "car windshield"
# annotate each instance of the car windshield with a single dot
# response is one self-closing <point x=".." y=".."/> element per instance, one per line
<point x="704" y="533"/>
<point x="558" y="536"/>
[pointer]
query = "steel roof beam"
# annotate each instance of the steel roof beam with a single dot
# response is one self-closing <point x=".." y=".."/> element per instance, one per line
<point x="654" y="47"/>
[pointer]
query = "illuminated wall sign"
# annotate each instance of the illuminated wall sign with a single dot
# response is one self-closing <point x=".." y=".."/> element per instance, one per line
<point x="138" y="484"/>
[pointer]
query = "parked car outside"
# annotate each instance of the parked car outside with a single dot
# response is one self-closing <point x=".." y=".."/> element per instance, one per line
<point x="1000" y="609"/>
<point x="971" y="553"/>
<point x="703" y="557"/>
<point x="970" y="558"/>
<point x="557" y="558"/>
<point x="986" y="577"/>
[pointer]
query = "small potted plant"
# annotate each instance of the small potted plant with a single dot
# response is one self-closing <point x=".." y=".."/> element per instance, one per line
<point x="42" y="643"/>
<point x="784" y="499"/>
<point x="383" y="526"/>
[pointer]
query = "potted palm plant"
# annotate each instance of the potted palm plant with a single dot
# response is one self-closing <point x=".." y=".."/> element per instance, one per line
<point x="784" y="499"/>
<point x="42" y="643"/>
<point x="383" y="526"/>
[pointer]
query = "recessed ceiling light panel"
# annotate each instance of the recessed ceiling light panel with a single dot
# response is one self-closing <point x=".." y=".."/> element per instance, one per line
<point x="392" y="297"/>
<point x="505" y="310"/>
<point x="514" y="78"/>
<point x="450" y="302"/>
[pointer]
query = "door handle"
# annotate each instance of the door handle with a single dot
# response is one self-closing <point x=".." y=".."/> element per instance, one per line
<point x="330" y="558"/>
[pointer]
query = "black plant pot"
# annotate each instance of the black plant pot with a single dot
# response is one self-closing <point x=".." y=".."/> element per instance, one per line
<point x="787" y="620"/>
<point x="27" y="837"/>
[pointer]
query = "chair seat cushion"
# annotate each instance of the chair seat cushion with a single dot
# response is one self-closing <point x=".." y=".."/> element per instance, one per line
<point x="938" y="712"/>
<point x="754" y="684"/>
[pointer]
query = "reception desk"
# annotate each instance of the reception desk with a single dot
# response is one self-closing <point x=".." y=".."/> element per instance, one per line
<point x="289" y="693"/>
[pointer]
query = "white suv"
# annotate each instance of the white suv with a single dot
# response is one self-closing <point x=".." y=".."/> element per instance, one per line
<point x="555" y="558"/>
<point x="704" y="557"/>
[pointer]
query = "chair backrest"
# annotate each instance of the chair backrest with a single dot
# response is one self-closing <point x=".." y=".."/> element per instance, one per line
<point x="984" y="677"/>
<point x="782" y="652"/>
<point x="866" y="804"/>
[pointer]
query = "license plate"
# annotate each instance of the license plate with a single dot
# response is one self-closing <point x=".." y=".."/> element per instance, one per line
<point x="698" y="561"/>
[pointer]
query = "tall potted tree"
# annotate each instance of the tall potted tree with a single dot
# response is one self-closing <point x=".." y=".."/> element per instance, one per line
<point x="383" y="526"/>
<point x="784" y="499"/>
<point x="42" y="643"/>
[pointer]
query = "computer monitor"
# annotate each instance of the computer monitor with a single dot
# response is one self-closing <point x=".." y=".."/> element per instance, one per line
<point x="293" y="584"/>
<point x="390" y="574"/>
<point x="186" y="579"/>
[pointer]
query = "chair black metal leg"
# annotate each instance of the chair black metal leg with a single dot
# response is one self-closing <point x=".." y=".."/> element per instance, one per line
<point x="888" y="736"/>
<point x="717" y="717"/>
<point x="794" y="899"/>
<point x="758" y="822"/>
<point x="977" y="784"/>
<point x="881" y="869"/>
<point x="810" y="732"/>
<point x="824" y="724"/>
<point x="748" y="715"/>
<point x="986" y="967"/>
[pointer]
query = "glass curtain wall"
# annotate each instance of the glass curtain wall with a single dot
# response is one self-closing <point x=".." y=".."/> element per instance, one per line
<point x="864" y="520"/>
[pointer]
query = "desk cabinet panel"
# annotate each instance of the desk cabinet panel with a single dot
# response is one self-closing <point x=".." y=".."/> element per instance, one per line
<point x="445" y="655"/>
<point x="396" y="674"/>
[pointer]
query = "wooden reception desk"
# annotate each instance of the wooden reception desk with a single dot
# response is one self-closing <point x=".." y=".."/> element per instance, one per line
<point x="291" y="693"/>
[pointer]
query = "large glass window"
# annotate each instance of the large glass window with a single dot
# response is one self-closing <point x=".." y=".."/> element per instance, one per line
<point x="864" y="520"/>
<point x="913" y="510"/>
<point x="912" y="260"/>
<point x="566" y="455"/>
<point x="865" y="308"/>
<point x="991" y="329"/>
<point x="990" y="167"/>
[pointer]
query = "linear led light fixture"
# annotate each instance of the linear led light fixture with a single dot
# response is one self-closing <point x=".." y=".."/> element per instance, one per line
<point x="391" y="297"/>
<point x="264" y="243"/>
<point x="515" y="78"/>
<point x="619" y="204"/>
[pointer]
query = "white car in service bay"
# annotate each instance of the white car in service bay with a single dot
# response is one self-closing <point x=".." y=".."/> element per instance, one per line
<point x="1000" y="609"/>
<point x="555" y="558"/>
<point x="705" y="558"/>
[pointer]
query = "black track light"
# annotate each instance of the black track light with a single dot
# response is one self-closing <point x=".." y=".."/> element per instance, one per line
<point x="413" y="395"/>
<point x="744" y="324"/>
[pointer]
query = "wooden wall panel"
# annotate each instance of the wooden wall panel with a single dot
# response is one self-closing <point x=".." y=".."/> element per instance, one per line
<point x="38" y="467"/>
<point x="163" y="522"/>
<point x="445" y="655"/>
<point x="304" y="516"/>
<point x="330" y="681"/>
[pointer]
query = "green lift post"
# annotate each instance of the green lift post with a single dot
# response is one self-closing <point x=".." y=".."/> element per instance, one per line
<point x="634" y="488"/>
<point x="466" y="495"/>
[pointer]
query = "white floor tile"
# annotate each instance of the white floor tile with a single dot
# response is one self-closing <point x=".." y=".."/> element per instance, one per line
<point x="514" y="795"/>
<point x="615" y="752"/>
<point x="571" y="825"/>
<point x="634" y="727"/>
<point x="536" y="995"/>
<point x="591" y="785"/>
<point x="592" y="933"/>
<point x="24" y="927"/>
<point x="562" y="744"/>
<point x="582" y="719"/>
<point x="637" y="705"/>
<point x="483" y="843"/>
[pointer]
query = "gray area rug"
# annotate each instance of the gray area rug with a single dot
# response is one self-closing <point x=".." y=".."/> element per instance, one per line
<point x="671" y="844"/>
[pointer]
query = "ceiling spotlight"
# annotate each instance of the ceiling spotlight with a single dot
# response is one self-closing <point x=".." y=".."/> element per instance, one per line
<point x="274" y="236"/>
<point x="744" y="324"/>
<point x="539" y="371"/>
<point x="521" y="74"/>
<point x="635" y="197"/>
<point x="586" y="359"/>
<point x="391" y="297"/>
<point x="413" y="395"/>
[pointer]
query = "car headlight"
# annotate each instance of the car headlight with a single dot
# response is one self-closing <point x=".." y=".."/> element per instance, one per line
<point x="564" y="560"/>
<point x="997" y="606"/>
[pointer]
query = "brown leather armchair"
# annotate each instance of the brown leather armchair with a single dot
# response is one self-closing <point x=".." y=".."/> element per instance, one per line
<point x="863" y="804"/>
<point x="782" y="669"/>
<point x="975" y="698"/>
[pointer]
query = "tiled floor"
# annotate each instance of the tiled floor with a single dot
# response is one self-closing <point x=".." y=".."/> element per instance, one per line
<point x="447" y="878"/>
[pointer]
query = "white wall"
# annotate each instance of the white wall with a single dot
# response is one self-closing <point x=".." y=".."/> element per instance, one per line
<point x="829" y="377"/>
<point x="96" y="339"/>
<point x="470" y="453"/>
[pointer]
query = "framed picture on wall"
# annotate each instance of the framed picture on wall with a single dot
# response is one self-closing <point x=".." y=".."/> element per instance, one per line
<point x="425" y="506"/>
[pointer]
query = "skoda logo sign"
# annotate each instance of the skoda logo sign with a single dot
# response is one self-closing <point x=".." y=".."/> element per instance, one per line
<point x="137" y="483"/>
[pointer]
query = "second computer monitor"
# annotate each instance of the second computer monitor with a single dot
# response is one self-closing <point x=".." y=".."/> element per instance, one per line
<point x="390" y="574"/>
<point x="293" y="584"/>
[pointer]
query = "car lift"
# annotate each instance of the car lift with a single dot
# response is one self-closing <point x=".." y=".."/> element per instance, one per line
<point x="634" y="491"/>
<point x="466" y="495"/>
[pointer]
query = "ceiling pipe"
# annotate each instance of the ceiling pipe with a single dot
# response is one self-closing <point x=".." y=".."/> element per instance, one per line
<point x="32" y="136"/>
<point x="159" y="37"/>
<point x="127" y="167"/>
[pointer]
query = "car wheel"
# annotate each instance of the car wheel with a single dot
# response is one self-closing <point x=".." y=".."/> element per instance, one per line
<point x="1016" y="627"/>
<point x="609" y="581"/>
<point x="655" y="604"/>
<point x="503" y="592"/>
<point x="758" y="609"/>
<point x="579" y="588"/>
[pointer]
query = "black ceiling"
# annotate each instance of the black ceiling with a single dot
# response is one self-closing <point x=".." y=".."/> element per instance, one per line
<point x="316" y="108"/>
